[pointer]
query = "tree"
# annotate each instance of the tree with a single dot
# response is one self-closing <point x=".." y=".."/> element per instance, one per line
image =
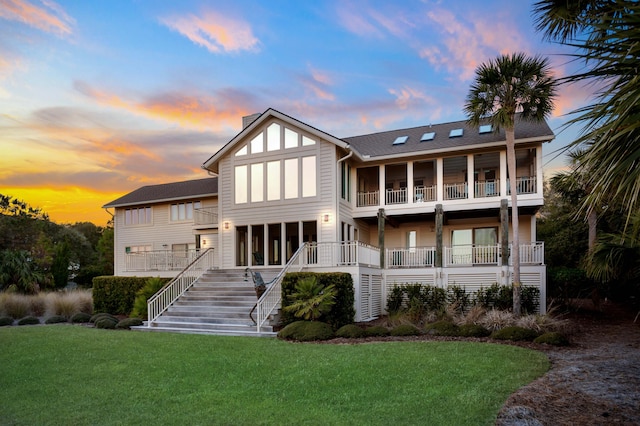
<point x="606" y="36"/>
<point x="502" y="87"/>
<point x="60" y="266"/>
<point x="311" y="299"/>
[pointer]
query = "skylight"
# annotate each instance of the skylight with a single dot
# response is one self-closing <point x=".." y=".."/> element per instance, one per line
<point x="428" y="136"/>
<point x="485" y="128"/>
<point x="455" y="133"/>
<point x="400" y="140"/>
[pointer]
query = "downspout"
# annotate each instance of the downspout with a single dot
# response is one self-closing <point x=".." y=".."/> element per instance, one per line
<point x="337" y="210"/>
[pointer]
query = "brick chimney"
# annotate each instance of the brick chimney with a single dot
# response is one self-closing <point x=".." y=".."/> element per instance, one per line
<point x="247" y="120"/>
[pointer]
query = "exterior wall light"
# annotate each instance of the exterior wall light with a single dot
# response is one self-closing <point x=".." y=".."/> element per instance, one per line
<point x="325" y="218"/>
<point x="226" y="225"/>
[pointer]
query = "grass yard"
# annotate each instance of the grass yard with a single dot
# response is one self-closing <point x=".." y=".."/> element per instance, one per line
<point x="65" y="374"/>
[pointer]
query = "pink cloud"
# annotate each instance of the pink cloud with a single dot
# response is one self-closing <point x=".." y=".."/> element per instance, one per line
<point x="51" y="18"/>
<point x="214" y="31"/>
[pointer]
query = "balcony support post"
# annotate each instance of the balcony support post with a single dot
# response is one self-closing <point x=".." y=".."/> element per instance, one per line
<point x="381" y="220"/>
<point x="504" y="239"/>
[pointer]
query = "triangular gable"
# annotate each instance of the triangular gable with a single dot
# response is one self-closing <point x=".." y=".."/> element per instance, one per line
<point x="212" y="163"/>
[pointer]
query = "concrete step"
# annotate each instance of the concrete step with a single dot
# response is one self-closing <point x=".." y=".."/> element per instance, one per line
<point x="224" y="320"/>
<point x="199" y="329"/>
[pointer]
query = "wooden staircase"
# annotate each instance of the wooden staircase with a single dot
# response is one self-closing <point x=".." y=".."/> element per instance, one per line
<point x="219" y="302"/>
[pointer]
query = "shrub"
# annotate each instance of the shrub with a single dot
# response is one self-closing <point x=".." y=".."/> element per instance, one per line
<point x="394" y="299"/>
<point x="495" y="320"/>
<point x="38" y="304"/>
<point x="61" y="304"/>
<point x="458" y="298"/>
<point x="101" y="315"/>
<point x="405" y="330"/>
<point x="515" y="333"/>
<point x="473" y="330"/>
<point x="376" y="331"/>
<point x="552" y="338"/>
<point x="350" y="331"/>
<point x="16" y="306"/>
<point x="442" y="328"/>
<point x="80" y="317"/>
<point x="311" y="300"/>
<point x="106" y="322"/>
<point x="304" y="331"/>
<point x="127" y="323"/>
<point x="116" y="294"/>
<point x="4" y="321"/>
<point x="56" y="319"/>
<point x="341" y="313"/>
<point x="29" y="321"/>
<point x="151" y="287"/>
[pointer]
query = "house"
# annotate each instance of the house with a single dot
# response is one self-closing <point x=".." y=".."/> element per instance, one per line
<point x="427" y="205"/>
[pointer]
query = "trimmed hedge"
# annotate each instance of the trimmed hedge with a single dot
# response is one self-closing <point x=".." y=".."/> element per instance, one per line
<point x="342" y="312"/>
<point x="552" y="338"/>
<point x="127" y="323"/>
<point x="405" y="330"/>
<point x="442" y="328"/>
<point x="376" y="331"/>
<point x="117" y="294"/>
<point x="515" y="333"/>
<point x="29" y="321"/>
<point x="350" y="331"/>
<point x="55" y="319"/>
<point x="80" y="317"/>
<point x="306" y="331"/>
<point x="4" y="321"/>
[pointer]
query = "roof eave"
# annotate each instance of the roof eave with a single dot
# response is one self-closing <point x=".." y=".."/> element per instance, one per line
<point x="158" y="200"/>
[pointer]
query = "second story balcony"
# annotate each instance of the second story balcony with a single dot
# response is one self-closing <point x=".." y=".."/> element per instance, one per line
<point x="205" y="216"/>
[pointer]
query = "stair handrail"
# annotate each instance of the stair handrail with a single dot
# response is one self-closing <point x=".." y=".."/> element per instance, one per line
<point x="272" y="297"/>
<point x="159" y="302"/>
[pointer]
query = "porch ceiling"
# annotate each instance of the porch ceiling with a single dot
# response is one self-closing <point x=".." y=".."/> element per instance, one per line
<point x="449" y="215"/>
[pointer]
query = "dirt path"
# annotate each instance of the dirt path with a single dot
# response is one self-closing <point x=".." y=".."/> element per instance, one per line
<point x="596" y="381"/>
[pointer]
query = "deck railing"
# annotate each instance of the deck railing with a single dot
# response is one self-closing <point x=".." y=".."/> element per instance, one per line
<point x="345" y="253"/>
<point x="471" y="255"/>
<point x="159" y="260"/>
<point x="524" y="185"/>
<point x="366" y="199"/>
<point x="415" y="257"/>
<point x="424" y="193"/>
<point x="160" y="301"/>
<point x="271" y="298"/>
<point x="396" y="196"/>
<point x="455" y="191"/>
<point x="532" y="253"/>
<point x="205" y="216"/>
<point x="489" y="188"/>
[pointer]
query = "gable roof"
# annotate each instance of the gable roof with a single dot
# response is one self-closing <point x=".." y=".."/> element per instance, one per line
<point x="212" y="163"/>
<point x="168" y="192"/>
<point x="380" y="145"/>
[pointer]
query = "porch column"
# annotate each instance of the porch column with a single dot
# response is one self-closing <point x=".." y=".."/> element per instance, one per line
<point x="439" y="179"/>
<point x="504" y="239"/>
<point x="381" y="219"/>
<point x="382" y="185"/>
<point x="503" y="173"/>
<point x="539" y="177"/>
<point x="471" y="190"/>
<point x="410" y="190"/>
<point x="439" y="250"/>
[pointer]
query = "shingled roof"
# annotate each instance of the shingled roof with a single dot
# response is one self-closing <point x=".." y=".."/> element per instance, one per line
<point x="381" y="144"/>
<point x="168" y="192"/>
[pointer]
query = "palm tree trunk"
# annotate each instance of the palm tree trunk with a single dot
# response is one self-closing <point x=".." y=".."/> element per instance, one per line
<point x="592" y="220"/>
<point x="515" y="224"/>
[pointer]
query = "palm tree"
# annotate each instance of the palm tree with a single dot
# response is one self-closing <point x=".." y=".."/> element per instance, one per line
<point x="502" y="87"/>
<point x="606" y="36"/>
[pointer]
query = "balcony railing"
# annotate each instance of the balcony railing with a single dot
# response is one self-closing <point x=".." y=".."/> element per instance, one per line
<point x="205" y="216"/>
<point x="524" y="185"/>
<point x="159" y="260"/>
<point x="366" y="199"/>
<point x="415" y="257"/>
<point x="345" y="253"/>
<point x="489" y="188"/>
<point x="455" y="191"/>
<point x="396" y="196"/>
<point x="424" y="193"/>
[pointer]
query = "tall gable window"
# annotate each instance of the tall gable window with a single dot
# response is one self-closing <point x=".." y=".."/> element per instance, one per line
<point x="309" y="176"/>
<point x="257" y="144"/>
<point x="291" y="178"/>
<point x="137" y="216"/>
<point x="183" y="211"/>
<point x="290" y="139"/>
<point x="273" y="137"/>
<point x="241" y="191"/>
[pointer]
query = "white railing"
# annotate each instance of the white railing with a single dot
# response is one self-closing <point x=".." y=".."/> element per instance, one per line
<point x="345" y="253"/>
<point x="415" y="257"/>
<point x="471" y="255"/>
<point x="530" y="253"/>
<point x="366" y="199"/>
<point x="524" y="185"/>
<point x="455" y="191"/>
<point x="205" y="216"/>
<point x="424" y="193"/>
<point x="396" y="196"/>
<point x="159" y="260"/>
<point x="160" y="301"/>
<point x="272" y="296"/>
<point x="489" y="188"/>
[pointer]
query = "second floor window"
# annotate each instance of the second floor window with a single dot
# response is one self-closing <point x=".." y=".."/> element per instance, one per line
<point x="183" y="211"/>
<point x="137" y="216"/>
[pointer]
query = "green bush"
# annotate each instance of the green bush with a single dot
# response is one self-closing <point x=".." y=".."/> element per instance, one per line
<point x="305" y="331"/>
<point x="151" y="287"/>
<point x="106" y="322"/>
<point x="394" y="299"/>
<point x="405" y="330"/>
<point x="127" y="323"/>
<point x="350" y="331"/>
<point x="473" y="330"/>
<point x="442" y="328"/>
<point x="101" y="315"/>
<point x="117" y="294"/>
<point x="29" y="321"/>
<point x="416" y="300"/>
<point x="376" y="331"/>
<point x="515" y="333"/>
<point x="81" y="317"/>
<point x="341" y="313"/>
<point x="457" y="296"/>
<point x="55" y="319"/>
<point x="4" y="321"/>
<point x="501" y="298"/>
<point x="552" y="338"/>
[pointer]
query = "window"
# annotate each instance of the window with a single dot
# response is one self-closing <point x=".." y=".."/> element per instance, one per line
<point x="257" y="144"/>
<point x="242" y="151"/>
<point x="137" y="216"/>
<point x="428" y="136"/>
<point x="412" y="240"/>
<point x="137" y="249"/>
<point x="309" y="176"/>
<point x="183" y="211"/>
<point x="346" y="181"/>
<point x="273" y="137"/>
<point x="241" y="184"/>
<point x="291" y="178"/>
<point x="290" y="139"/>
<point x="456" y="133"/>
<point x="273" y="180"/>
<point x="400" y="140"/>
<point x="485" y="129"/>
<point x="257" y="183"/>
<point x="307" y="141"/>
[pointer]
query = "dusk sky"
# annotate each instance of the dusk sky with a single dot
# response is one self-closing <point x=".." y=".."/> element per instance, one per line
<point x="98" y="98"/>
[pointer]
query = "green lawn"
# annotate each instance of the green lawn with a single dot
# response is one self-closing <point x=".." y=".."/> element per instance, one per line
<point x="74" y="375"/>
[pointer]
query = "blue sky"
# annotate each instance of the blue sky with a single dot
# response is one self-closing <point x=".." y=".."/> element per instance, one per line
<point x="100" y="97"/>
